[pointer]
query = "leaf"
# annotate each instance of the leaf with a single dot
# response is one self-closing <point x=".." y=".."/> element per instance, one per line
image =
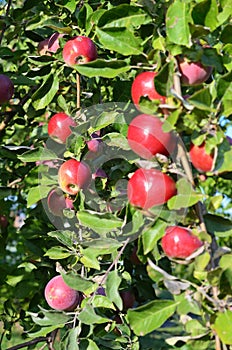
<point x="70" y="341"/>
<point x="205" y="13"/>
<point x="202" y="100"/>
<point x="123" y="16"/>
<point x="177" y="23"/>
<point x="45" y="94"/>
<point x="78" y="283"/>
<point x="164" y="79"/>
<point x="49" y="318"/>
<point x="100" y="223"/>
<point x="218" y="225"/>
<point x="45" y="330"/>
<point x="102" y="68"/>
<point x="112" y="284"/>
<point x="37" y="193"/>
<point x="185" y="197"/>
<point x="57" y="253"/>
<point x="88" y="316"/>
<point x="222" y="326"/>
<point x="120" y="40"/>
<point x="99" y="301"/>
<point x="37" y="154"/>
<point x="151" y="236"/>
<point x="115" y="139"/>
<point x="5" y="192"/>
<point x="65" y="237"/>
<point x="146" y="318"/>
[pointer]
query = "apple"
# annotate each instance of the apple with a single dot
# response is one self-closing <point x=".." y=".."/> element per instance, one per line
<point x="193" y="73"/>
<point x="149" y="187"/>
<point x="146" y="137"/>
<point x="7" y="88"/>
<point x="57" y="202"/>
<point x="3" y="221"/>
<point x="60" y="296"/>
<point x="179" y="242"/>
<point x="78" y="50"/>
<point x="49" y="45"/>
<point x="201" y="160"/>
<point x="128" y="298"/>
<point x="59" y="127"/>
<point x="143" y="86"/>
<point x="134" y="257"/>
<point x="73" y="176"/>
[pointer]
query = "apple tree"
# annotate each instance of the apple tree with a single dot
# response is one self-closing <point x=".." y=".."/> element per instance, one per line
<point x="116" y="168"/>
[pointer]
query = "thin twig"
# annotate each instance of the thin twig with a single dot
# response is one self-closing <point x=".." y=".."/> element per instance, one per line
<point x="78" y="90"/>
<point x="28" y="343"/>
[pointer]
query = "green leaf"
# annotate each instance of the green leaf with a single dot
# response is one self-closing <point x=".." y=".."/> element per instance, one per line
<point x="185" y="197"/>
<point x="151" y="236"/>
<point x="225" y="13"/>
<point x="49" y="318"/>
<point x="112" y="284"/>
<point x="100" y="223"/>
<point x="115" y="139"/>
<point x="99" y="301"/>
<point x="92" y="345"/>
<point x="120" y="40"/>
<point x="205" y="13"/>
<point x="123" y="16"/>
<point x="202" y="100"/>
<point x="65" y="237"/>
<point x="45" y="330"/>
<point x="45" y="94"/>
<point x="222" y="326"/>
<point x="5" y="192"/>
<point x="37" y="193"/>
<point x="146" y="318"/>
<point x="218" y="225"/>
<point x="57" y="253"/>
<point x="78" y="283"/>
<point x="102" y="68"/>
<point x="37" y="154"/>
<point x="88" y="316"/>
<point x="164" y="79"/>
<point x="177" y="23"/>
<point x="70" y="341"/>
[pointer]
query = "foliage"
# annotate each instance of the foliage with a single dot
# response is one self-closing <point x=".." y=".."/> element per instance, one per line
<point x="179" y="304"/>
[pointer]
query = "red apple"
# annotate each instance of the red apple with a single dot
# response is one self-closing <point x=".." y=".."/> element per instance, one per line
<point x="179" y="242"/>
<point x="146" y="137"/>
<point x="143" y="86"/>
<point x="59" y="127"/>
<point x="57" y="202"/>
<point x="150" y="187"/>
<point x="59" y="296"/>
<point x="3" y="221"/>
<point x="49" y="45"/>
<point x="73" y="176"/>
<point x="6" y="89"/>
<point x="193" y="73"/>
<point x="128" y="299"/>
<point x="201" y="160"/>
<point x="79" y="50"/>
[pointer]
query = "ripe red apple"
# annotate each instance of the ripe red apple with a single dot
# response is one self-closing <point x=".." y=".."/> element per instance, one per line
<point x="3" y="221"/>
<point x="6" y="89"/>
<point x="201" y="160"/>
<point x="49" y="45"/>
<point x="193" y="73"/>
<point x="179" y="242"/>
<point x="57" y="202"/>
<point x="59" y="296"/>
<point x="59" y="127"/>
<point x="128" y="298"/>
<point x="79" y="50"/>
<point x="73" y="175"/>
<point x="150" y="187"/>
<point x="146" y="137"/>
<point x="143" y="86"/>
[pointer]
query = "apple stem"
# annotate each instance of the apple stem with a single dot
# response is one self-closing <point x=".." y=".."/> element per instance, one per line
<point x="78" y="85"/>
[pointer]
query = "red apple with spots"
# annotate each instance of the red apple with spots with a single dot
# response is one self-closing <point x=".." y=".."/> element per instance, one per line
<point x="200" y="159"/>
<point x="193" y="73"/>
<point x="150" y="187"/>
<point x="60" y="296"/>
<point x="79" y="50"/>
<point x="147" y="138"/>
<point x="179" y="242"/>
<point x="74" y="175"/>
<point x="6" y="89"/>
<point x="59" y="127"/>
<point x="143" y="86"/>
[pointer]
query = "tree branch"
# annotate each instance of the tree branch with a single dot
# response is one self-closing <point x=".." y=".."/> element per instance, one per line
<point x="28" y="343"/>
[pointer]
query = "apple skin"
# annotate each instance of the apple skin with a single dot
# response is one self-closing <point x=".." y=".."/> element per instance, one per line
<point x="57" y="202"/>
<point x="146" y="137"/>
<point x="79" y="50"/>
<point x="134" y="257"/>
<point x="3" y="221"/>
<point x="150" y="187"/>
<point x="193" y="73"/>
<point x="179" y="242"/>
<point x="73" y="176"/>
<point x="59" y="296"/>
<point x="143" y="86"/>
<point x="49" y="45"/>
<point x="59" y="127"/>
<point x="201" y="160"/>
<point x="128" y="299"/>
<point x="7" y="88"/>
